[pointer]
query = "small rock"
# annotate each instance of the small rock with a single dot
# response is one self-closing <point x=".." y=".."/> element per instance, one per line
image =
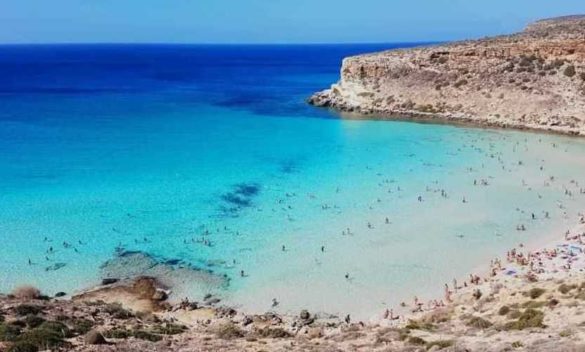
<point x="477" y="294"/>
<point x="247" y="320"/>
<point x="160" y="295"/>
<point x="225" y="312"/>
<point x="305" y="315"/>
<point x="109" y="281"/>
<point x="94" y="337"/>
<point x="60" y="294"/>
<point x="213" y="301"/>
<point x="314" y="333"/>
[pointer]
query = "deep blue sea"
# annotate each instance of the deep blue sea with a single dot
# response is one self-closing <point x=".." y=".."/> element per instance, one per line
<point x="206" y="162"/>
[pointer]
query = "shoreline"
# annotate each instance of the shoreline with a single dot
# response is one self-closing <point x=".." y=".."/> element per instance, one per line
<point x="449" y="120"/>
<point x="429" y="324"/>
<point x="406" y="297"/>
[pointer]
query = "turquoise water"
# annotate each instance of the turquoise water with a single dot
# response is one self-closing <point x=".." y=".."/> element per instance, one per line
<point x="208" y="158"/>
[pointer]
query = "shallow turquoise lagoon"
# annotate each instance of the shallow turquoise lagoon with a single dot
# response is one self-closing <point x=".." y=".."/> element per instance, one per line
<point x="207" y="158"/>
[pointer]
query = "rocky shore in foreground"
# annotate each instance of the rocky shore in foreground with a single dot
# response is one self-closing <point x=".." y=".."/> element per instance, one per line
<point x="531" y="80"/>
<point x="529" y="301"/>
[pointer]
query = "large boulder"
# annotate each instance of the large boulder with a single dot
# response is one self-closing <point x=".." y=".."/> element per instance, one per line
<point x="94" y="337"/>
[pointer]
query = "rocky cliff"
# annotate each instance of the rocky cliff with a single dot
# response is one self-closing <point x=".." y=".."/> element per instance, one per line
<point x="534" y="79"/>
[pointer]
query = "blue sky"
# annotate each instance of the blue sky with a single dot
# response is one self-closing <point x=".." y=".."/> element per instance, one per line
<point x="268" y="21"/>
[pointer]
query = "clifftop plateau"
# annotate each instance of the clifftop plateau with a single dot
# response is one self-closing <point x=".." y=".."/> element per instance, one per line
<point x="534" y="79"/>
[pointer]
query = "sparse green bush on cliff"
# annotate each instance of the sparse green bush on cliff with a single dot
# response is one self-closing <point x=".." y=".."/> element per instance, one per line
<point x="118" y="312"/>
<point x="82" y="326"/>
<point x="570" y="71"/>
<point x="9" y="332"/>
<point x="169" y="329"/>
<point x="229" y="331"/>
<point x="26" y="309"/>
<point x="441" y="344"/>
<point x="415" y="340"/>
<point x="59" y="328"/>
<point x="146" y="335"/>
<point x="460" y="83"/>
<point x="42" y="338"/>
<point x="531" y="318"/>
<point x="33" y="321"/>
<point x="274" y="333"/>
<point x="23" y="346"/>
<point x="564" y="288"/>
<point x="479" y="323"/>
<point x="419" y="325"/>
<point x="118" y="333"/>
<point x="535" y="292"/>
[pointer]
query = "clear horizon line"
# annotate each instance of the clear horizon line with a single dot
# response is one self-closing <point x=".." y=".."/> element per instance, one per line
<point x="221" y="44"/>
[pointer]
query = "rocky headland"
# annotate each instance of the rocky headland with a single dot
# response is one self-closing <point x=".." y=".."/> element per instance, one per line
<point x="530" y="80"/>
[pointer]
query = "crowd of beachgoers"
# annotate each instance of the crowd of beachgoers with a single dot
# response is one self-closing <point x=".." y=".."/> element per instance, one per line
<point x="530" y="299"/>
<point x="517" y="301"/>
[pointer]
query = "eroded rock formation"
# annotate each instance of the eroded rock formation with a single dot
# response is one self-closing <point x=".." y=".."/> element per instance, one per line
<point x="534" y="79"/>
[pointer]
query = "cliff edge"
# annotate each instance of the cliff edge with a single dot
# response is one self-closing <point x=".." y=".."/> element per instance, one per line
<point x="534" y="79"/>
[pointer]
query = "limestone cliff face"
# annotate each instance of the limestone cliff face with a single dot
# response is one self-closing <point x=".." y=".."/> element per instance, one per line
<point x="534" y="79"/>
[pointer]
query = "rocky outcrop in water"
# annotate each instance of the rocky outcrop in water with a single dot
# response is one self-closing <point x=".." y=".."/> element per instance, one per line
<point x="534" y="79"/>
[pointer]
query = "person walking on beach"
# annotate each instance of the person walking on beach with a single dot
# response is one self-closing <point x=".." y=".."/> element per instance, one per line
<point x="417" y="305"/>
<point x="447" y="294"/>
